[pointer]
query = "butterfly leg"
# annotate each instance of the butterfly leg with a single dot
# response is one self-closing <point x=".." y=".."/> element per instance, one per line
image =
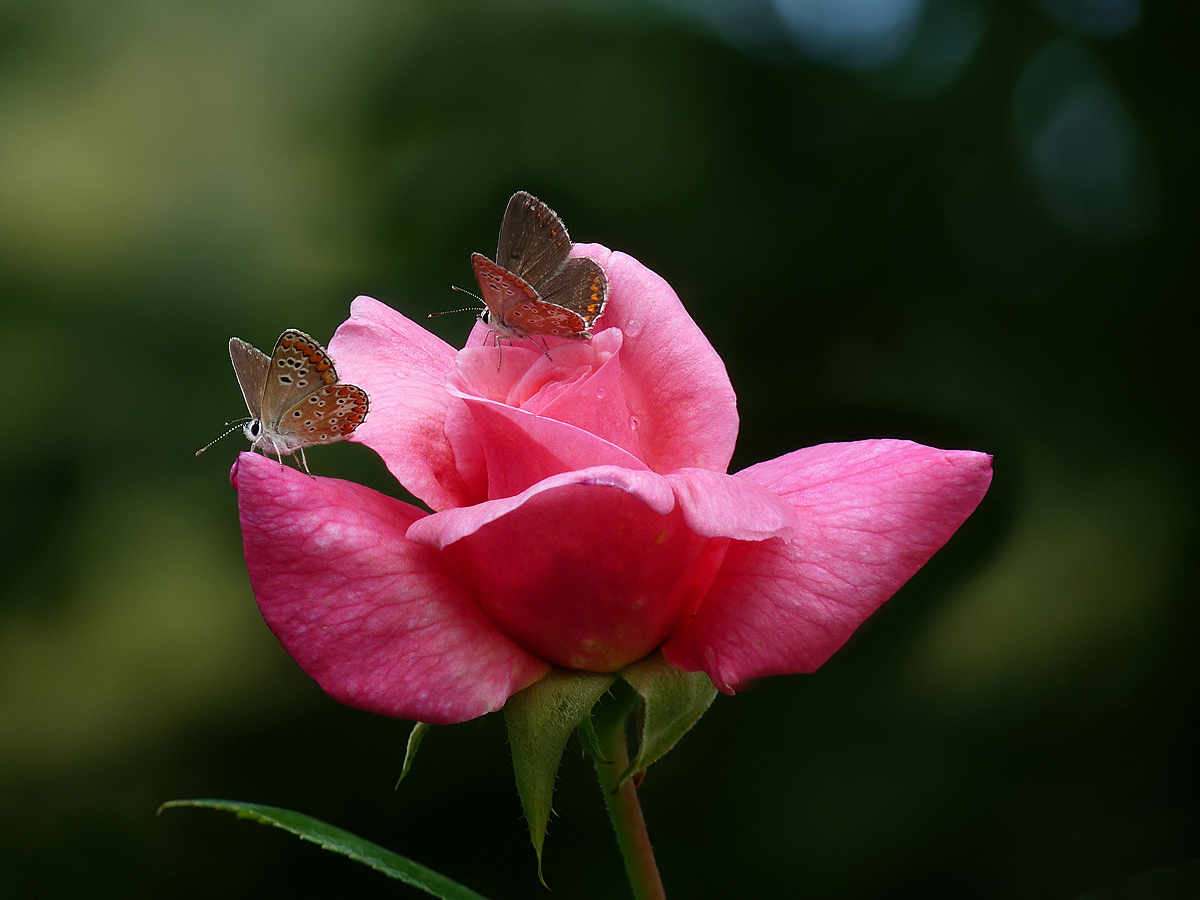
<point x="273" y="451"/>
<point x="300" y="451"/>
<point x="545" y="349"/>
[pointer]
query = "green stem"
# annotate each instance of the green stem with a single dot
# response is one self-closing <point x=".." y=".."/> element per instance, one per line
<point x="623" y="807"/>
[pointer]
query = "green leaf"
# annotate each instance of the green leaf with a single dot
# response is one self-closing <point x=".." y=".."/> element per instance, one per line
<point x="339" y="841"/>
<point x="540" y="720"/>
<point x="675" y="700"/>
<point x="410" y="754"/>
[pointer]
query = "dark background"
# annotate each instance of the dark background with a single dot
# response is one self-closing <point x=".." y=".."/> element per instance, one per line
<point x="969" y="224"/>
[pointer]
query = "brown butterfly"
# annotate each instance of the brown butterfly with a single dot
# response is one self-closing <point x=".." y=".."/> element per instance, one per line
<point x="534" y="287"/>
<point x="293" y="396"/>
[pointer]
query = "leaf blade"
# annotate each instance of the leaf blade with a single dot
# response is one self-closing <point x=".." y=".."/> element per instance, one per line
<point x="338" y="840"/>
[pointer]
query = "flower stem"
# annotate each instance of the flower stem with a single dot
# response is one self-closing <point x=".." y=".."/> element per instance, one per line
<point x="623" y="807"/>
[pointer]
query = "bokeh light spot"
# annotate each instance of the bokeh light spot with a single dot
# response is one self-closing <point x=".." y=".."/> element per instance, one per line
<point x="1082" y="149"/>
<point x="1099" y="18"/>
<point x="854" y="33"/>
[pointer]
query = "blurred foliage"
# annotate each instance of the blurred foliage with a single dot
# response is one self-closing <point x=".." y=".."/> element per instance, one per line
<point x="966" y="223"/>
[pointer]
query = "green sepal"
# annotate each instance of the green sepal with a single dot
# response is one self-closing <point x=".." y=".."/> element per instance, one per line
<point x="591" y="743"/>
<point x="410" y="752"/>
<point x="540" y="719"/>
<point x="674" y="701"/>
<point x="340" y="841"/>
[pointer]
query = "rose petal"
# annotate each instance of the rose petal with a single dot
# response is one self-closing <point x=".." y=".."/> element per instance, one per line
<point x="871" y="514"/>
<point x="521" y="449"/>
<point x="444" y="528"/>
<point x="718" y="505"/>
<point x="374" y="618"/>
<point x="595" y="401"/>
<point x="589" y="570"/>
<point x="403" y="368"/>
<point x="676" y="385"/>
<point x="577" y="382"/>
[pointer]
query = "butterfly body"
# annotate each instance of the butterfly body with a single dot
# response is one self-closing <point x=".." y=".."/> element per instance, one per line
<point x="535" y="286"/>
<point x="294" y="397"/>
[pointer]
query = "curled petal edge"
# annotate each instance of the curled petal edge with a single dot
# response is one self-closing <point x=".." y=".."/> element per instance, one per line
<point x="444" y="528"/>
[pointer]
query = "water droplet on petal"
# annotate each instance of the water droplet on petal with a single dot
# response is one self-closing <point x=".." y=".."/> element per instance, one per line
<point x="634" y="422"/>
<point x="633" y="327"/>
<point x="601" y="393"/>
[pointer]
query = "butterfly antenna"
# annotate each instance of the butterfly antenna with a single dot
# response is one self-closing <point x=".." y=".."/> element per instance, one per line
<point x="474" y="309"/>
<point x="455" y="287"/>
<point x="236" y="425"/>
<point x="447" y="312"/>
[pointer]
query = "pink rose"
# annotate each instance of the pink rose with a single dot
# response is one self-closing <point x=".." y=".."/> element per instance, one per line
<point x="582" y="518"/>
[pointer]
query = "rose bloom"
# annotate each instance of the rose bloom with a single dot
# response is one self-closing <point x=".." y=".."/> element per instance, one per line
<point x="582" y="517"/>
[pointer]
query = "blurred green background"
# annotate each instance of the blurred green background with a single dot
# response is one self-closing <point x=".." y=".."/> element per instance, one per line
<point x="971" y="224"/>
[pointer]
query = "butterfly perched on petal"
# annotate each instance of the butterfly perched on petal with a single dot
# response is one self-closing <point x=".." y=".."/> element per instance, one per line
<point x="534" y="286"/>
<point x="294" y="397"/>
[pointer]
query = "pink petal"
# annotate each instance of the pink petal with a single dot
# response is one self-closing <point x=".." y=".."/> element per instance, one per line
<point x="676" y="385"/>
<point x="545" y="414"/>
<point x="374" y="618"/>
<point x="589" y="570"/>
<point x="442" y="529"/>
<point x="403" y="369"/>
<point x="577" y="382"/>
<point x="871" y="514"/>
<point x="520" y="449"/>
<point x="718" y="505"/>
<point x="594" y="400"/>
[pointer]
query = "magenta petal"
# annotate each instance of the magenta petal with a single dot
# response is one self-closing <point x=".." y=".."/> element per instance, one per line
<point x="676" y="385"/>
<point x="374" y="618"/>
<point x="403" y="368"/>
<point x="871" y="514"/>
<point x="589" y="570"/>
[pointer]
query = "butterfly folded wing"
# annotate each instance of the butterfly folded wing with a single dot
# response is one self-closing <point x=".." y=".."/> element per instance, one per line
<point x="533" y="241"/>
<point x="299" y="368"/>
<point x="250" y="365"/>
<point x="330" y="414"/>
<point x="579" y="286"/>
<point x="546" y="319"/>
<point x="502" y="290"/>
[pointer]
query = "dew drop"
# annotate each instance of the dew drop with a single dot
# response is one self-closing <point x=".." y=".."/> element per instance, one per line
<point x="633" y="327"/>
<point x="634" y="422"/>
<point x="600" y="394"/>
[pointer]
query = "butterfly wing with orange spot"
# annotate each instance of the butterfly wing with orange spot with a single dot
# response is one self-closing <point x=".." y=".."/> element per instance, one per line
<point x="579" y="286"/>
<point x="299" y="368"/>
<point x="330" y="414"/>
